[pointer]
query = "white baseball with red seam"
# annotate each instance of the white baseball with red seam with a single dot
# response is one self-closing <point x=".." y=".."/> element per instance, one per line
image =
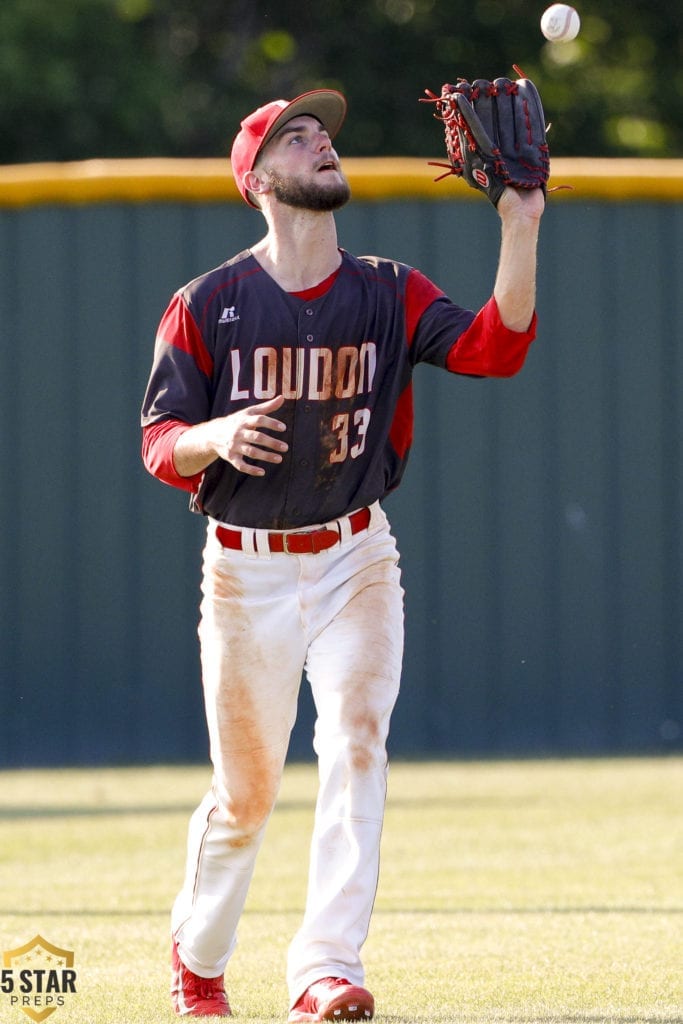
<point x="560" y="23"/>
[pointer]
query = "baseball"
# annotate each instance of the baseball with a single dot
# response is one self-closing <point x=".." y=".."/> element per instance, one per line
<point x="560" y="23"/>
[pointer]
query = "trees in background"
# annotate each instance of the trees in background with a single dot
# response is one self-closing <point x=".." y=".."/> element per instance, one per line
<point x="123" y="78"/>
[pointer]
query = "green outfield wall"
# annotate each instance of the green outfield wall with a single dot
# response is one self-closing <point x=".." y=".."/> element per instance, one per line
<point x="540" y="519"/>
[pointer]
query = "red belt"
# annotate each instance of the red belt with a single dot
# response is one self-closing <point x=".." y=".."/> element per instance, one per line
<point x="299" y="542"/>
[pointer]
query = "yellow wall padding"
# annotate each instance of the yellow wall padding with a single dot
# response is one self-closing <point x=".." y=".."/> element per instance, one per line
<point x="210" y="180"/>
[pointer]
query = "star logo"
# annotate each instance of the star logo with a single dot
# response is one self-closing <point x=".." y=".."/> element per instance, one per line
<point x="38" y="977"/>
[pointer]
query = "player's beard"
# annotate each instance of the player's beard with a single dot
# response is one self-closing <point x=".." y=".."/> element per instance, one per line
<point x="310" y="195"/>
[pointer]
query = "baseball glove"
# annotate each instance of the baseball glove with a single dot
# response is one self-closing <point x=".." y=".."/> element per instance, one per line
<point x="495" y="134"/>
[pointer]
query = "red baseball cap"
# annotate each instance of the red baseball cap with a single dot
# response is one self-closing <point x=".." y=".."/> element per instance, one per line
<point x="327" y="105"/>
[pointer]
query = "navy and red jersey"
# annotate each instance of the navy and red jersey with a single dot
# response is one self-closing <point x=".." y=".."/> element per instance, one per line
<point x="342" y="354"/>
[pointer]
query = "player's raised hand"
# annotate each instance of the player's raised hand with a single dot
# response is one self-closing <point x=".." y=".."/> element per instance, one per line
<point x="521" y="202"/>
<point x="248" y="435"/>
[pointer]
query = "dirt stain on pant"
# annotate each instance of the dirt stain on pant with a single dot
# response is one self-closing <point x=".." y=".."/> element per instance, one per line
<point x="247" y="768"/>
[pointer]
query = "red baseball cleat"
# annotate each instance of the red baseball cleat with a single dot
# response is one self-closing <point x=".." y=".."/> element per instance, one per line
<point x="333" y="999"/>
<point x="193" y="996"/>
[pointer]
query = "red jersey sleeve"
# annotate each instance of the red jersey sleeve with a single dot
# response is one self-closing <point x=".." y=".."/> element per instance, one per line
<point x="487" y="348"/>
<point x="445" y="334"/>
<point x="158" y="442"/>
<point x="177" y="392"/>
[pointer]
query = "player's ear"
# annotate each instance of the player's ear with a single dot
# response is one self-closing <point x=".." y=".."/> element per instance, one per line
<point x="256" y="183"/>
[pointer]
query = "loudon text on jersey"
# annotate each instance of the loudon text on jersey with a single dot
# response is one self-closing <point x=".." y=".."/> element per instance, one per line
<point x="316" y="374"/>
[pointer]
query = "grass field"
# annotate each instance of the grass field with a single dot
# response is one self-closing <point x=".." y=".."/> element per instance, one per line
<point x="541" y="891"/>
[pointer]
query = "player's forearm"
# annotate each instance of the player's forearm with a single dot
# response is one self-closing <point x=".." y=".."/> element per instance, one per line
<point x="515" y="287"/>
<point x="194" y="450"/>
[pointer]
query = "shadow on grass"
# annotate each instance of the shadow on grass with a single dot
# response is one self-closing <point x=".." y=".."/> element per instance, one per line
<point x="27" y="813"/>
<point x="417" y="911"/>
<point x="282" y="806"/>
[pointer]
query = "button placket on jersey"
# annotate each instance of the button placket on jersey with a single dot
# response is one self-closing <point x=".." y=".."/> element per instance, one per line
<point x="310" y="338"/>
<point x="305" y="334"/>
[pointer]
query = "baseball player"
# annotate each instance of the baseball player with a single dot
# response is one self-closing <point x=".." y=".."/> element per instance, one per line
<point x="280" y="399"/>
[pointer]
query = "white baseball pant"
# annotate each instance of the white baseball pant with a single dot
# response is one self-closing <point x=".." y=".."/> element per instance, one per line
<point x="265" y="618"/>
